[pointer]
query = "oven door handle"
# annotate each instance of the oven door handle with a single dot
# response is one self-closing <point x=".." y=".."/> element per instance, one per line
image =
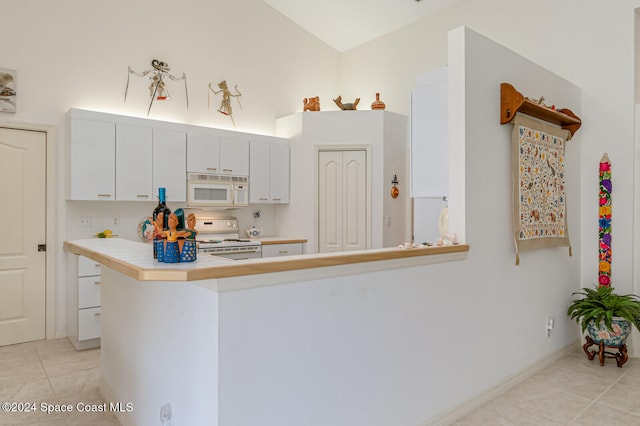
<point x="222" y="252"/>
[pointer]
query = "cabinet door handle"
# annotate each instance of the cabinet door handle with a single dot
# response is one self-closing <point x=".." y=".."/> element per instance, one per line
<point x="142" y="196"/>
<point x="104" y="195"/>
<point x="97" y="282"/>
<point x="212" y="169"/>
<point x="227" y="170"/>
<point x="283" y="252"/>
<point x="98" y="314"/>
<point x="277" y="199"/>
<point x="263" y="199"/>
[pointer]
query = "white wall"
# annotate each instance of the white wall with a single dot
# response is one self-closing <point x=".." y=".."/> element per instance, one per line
<point x="75" y="54"/>
<point x="406" y="346"/>
<point x="559" y="36"/>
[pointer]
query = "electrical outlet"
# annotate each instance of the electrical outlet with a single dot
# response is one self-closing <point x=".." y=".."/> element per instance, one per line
<point x="116" y="220"/>
<point x="85" y="221"/>
<point x="550" y="324"/>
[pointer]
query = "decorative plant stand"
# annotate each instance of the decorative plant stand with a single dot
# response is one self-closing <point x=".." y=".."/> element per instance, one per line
<point x="620" y="356"/>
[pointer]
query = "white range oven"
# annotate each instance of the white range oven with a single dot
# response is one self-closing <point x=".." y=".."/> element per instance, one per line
<point x="219" y="236"/>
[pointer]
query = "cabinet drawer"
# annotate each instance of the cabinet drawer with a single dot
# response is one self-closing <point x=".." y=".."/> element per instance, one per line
<point x="274" y="250"/>
<point x="89" y="292"/>
<point x="89" y="323"/>
<point x="87" y="267"/>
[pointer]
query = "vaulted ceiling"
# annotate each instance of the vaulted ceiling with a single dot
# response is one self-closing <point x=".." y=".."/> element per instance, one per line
<point x="345" y="24"/>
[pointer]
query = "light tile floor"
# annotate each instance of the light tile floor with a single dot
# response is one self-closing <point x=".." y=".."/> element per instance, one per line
<point x="54" y="373"/>
<point x="571" y="391"/>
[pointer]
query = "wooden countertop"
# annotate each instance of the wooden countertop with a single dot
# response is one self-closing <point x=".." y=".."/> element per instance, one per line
<point x="135" y="259"/>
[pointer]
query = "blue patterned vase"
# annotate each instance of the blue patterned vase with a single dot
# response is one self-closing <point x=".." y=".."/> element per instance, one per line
<point x="616" y="337"/>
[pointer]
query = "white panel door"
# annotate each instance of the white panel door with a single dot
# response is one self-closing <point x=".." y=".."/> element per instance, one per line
<point x="329" y="201"/>
<point x="355" y="200"/>
<point x="22" y="266"/>
<point x="342" y="196"/>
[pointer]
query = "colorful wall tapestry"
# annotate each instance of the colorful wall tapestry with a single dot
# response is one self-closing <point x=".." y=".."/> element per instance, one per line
<point x="604" y="222"/>
<point x="540" y="202"/>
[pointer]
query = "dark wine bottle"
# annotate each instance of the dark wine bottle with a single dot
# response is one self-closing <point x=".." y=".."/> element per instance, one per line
<point x="161" y="208"/>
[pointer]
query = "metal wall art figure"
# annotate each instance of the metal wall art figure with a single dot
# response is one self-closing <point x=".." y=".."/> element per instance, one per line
<point x="157" y="89"/>
<point x="225" y="105"/>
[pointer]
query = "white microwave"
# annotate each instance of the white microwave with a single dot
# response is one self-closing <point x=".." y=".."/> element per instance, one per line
<point x="209" y="190"/>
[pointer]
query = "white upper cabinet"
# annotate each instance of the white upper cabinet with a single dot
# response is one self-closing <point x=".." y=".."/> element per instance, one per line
<point x="169" y="163"/>
<point x="259" y="173"/>
<point x="203" y="152"/>
<point x="269" y="173"/>
<point x="134" y="163"/>
<point x="279" y="173"/>
<point x="234" y="156"/>
<point x="207" y="152"/>
<point x="93" y="159"/>
<point x="127" y="159"/>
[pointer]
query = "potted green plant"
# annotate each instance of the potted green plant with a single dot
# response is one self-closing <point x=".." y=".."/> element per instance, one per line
<point x="606" y="315"/>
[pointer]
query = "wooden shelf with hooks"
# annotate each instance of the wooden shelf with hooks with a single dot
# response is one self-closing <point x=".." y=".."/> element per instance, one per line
<point x="512" y="101"/>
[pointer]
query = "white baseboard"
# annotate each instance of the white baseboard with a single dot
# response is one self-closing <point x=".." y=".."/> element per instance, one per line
<point x="451" y="416"/>
<point x="125" y="418"/>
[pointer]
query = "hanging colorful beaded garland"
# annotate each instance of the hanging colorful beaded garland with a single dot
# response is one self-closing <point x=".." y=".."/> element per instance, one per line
<point x="604" y="223"/>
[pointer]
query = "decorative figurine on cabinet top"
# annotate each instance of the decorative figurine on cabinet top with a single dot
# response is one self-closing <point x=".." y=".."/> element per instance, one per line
<point x="311" y="104"/>
<point x="225" y="105"/>
<point x="157" y="89"/>
<point x="377" y="104"/>
<point x="348" y="106"/>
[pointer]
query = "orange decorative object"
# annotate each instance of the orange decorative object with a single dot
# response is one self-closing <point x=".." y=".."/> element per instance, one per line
<point x="378" y="104"/>
<point x="311" y="104"/>
<point x="394" y="188"/>
<point x="395" y="192"/>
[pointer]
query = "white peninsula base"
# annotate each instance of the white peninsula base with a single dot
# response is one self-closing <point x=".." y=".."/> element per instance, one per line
<point x="338" y="339"/>
<point x="159" y="346"/>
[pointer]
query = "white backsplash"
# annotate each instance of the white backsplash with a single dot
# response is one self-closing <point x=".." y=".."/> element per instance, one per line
<point x="123" y="218"/>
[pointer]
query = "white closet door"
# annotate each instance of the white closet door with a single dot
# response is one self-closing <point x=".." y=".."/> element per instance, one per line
<point x="330" y="201"/>
<point x="355" y="200"/>
<point x="342" y="195"/>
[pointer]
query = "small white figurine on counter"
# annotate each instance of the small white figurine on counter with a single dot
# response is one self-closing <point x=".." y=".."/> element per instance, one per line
<point x="449" y="240"/>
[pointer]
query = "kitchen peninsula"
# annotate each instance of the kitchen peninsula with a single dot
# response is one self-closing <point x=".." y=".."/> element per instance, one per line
<point x="216" y="336"/>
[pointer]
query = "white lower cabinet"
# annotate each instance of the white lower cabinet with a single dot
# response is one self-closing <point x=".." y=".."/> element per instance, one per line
<point x="286" y="249"/>
<point x="85" y="304"/>
<point x="89" y="324"/>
